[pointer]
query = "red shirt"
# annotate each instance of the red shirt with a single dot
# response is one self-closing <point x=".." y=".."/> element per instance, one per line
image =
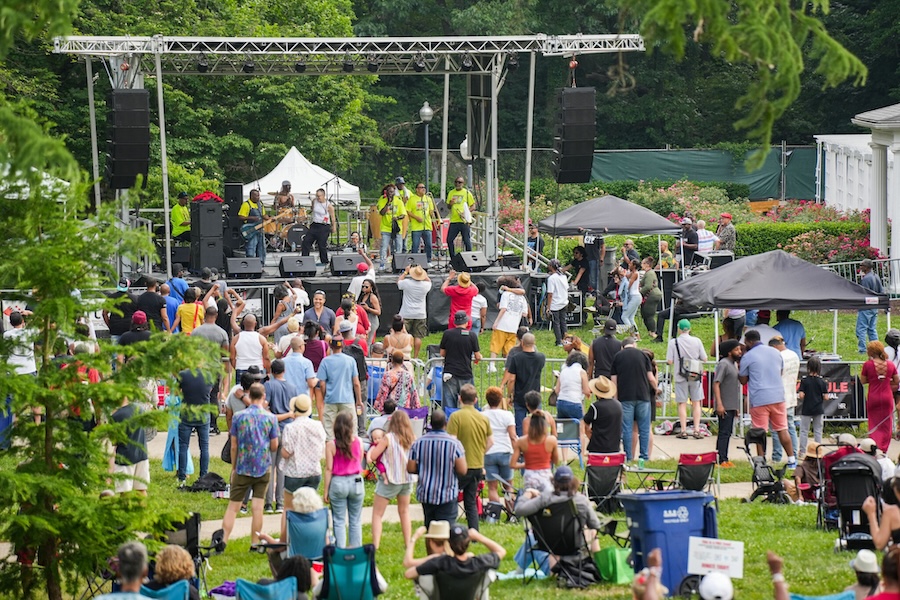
<point x="362" y="323"/>
<point x="460" y="299"/>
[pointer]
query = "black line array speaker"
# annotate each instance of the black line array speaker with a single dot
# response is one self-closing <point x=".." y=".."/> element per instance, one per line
<point x="471" y="262"/>
<point x="344" y="264"/>
<point x="293" y="265"/>
<point x="400" y="261"/>
<point x="244" y="268"/>
<point x="206" y="219"/>
<point x="573" y="144"/>
<point x="128" y="137"/>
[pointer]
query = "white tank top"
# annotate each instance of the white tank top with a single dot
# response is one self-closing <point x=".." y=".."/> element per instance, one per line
<point x="320" y="212"/>
<point x="248" y="351"/>
<point x="570" y="384"/>
<point x="635" y="288"/>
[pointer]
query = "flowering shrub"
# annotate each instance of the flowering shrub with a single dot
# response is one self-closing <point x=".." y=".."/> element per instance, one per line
<point x="511" y="210"/>
<point x="807" y="211"/>
<point x="817" y="246"/>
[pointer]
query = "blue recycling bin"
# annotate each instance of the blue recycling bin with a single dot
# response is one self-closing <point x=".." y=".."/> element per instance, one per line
<point x="666" y="520"/>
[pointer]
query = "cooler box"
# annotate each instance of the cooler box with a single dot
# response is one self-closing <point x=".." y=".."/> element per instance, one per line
<point x="666" y="520"/>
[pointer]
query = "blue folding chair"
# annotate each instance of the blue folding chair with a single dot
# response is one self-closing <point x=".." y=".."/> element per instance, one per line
<point x="848" y="595"/>
<point x="180" y="590"/>
<point x="286" y="589"/>
<point x="349" y="573"/>
<point x="306" y="533"/>
<point x="376" y="373"/>
<point x="436" y="389"/>
<point x="569" y="436"/>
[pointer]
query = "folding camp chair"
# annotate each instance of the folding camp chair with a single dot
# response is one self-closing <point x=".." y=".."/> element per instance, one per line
<point x="373" y="384"/>
<point x="455" y="587"/>
<point x="602" y="477"/>
<point x="286" y="589"/>
<point x="569" y="436"/>
<point x="848" y="595"/>
<point x="306" y="533"/>
<point x="417" y="418"/>
<point x="180" y="590"/>
<point x="101" y="581"/>
<point x="696" y="472"/>
<point x="558" y="531"/>
<point x="349" y="573"/>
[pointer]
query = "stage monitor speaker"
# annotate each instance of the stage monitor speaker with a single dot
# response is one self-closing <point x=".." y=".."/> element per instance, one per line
<point x="472" y="262"/>
<point x="234" y="196"/>
<point x="206" y="219"/>
<point x="714" y="258"/>
<point x="207" y="252"/>
<point x="399" y="261"/>
<point x="128" y="130"/>
<point x="244" y="268"/>
<point x="297" y="266"/>
<point x="344" y="264"/>
<point x="573" y="145"/>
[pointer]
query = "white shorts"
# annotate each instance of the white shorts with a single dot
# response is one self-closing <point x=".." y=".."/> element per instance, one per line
<point x="688" y="390"/>
<point x="138" y="476"/>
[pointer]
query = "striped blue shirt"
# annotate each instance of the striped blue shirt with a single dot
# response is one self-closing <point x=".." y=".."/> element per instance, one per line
<point x="435" y="453"/>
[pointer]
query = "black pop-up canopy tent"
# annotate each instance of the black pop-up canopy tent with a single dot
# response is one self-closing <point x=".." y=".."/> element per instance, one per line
<point x="775" y="280"/>
<point x="609" y="215"/>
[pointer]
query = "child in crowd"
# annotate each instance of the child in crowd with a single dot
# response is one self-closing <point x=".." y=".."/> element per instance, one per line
<point x="375" y="436"/>
<point x="811" y="394"/>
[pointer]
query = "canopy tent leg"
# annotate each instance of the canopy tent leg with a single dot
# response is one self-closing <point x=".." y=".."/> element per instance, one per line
<point x="446" y="120"/>
<point x="716" y="332"/>
<point x="834" y="334"/>
<point x="95" y="153"/>
<point x="529" y="130"/>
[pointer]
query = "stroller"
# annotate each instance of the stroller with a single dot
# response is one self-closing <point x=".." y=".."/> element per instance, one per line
<point x="855" y="477"/>
<point x="766" y="479"/>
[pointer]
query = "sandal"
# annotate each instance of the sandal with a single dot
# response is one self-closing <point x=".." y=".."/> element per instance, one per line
<point x="698" y="435"/>
<point x="682" y="436"/>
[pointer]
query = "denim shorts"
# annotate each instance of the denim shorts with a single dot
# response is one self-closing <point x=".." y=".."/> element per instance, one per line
<point x="392" y="490"/>
<point x="497" y="467"/>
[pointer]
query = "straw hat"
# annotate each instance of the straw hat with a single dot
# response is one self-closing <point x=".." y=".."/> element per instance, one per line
<point x="865" y="562"/>
<point x="418" y="273"/>
<point x="464" y="279"/>
<point x="301" y="405"/>
<point x="814" y="449"/>
<point x="438" y="530"/>
<point x="602" y="387"/>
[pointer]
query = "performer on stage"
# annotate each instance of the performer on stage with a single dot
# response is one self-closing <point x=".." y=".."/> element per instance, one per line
<point x="283" y="197"/>
<point x="405" y="195"/>
<point x="252" y="212"/>
<point x="458" y="199"/>
<point x="421" y="211"/>
<point x="392" y="211"/>
<point x="321" y="226"/>
<point x="180" y="217"/>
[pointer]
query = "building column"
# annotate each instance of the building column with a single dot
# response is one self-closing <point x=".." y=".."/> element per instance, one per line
<point x="878" y="198"/>
<point x="894" y="184"/>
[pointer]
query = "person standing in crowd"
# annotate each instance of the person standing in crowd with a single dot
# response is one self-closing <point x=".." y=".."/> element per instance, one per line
<point x="392" y="211"/>
<point x="579" y="267"/>
<point x="478" y="313"/>
<point x="460" y="295"/>
<point x="603" y="349"/>
<point x="302" y="449"/>
<point x="190" y="313"/>
<point x="369" y="301"/>
<point x="21" y="353"/>
<point x="761" y="368"/>
<point x="602" y="423"/>
<point x="792" y="332"/>
<point x="180" y="219"/>
<point x="195" y="392"/>
<point x="535" y="248"/>
<point x="344" y="487"/>
<point x="125" y="304"/>
<point x="177" y="285"/>
<point x="365" y="269"/>
<point x="438" y="459"/>
<point x="689" y="241"/>
<point x="473" y="430"/>
<point x="398" y="339"/>
<point x="680" y="350"/>
<point x="131" y="460"/>
<point x="461" y="203"/>
<point x="726" y="233"/>
<point x="790" y="375"/>
<point x="395" y="482"/>
<point x="249" y="348"/>
<point x="523" y="374"/>
<point x="211" y="332"/>
<point x="557" y="300"/>
<point x="172" y="304"/>
<point x="415" y="285"/>
<point x="727" y="392"/>
<point x="629" y="253"/>
<point x="421" y="211"/>
<point x="867" y="319"/>
<point x="252" y="212"/>
<point x="733" y="320"/>
<point x="299" y="370"/>
<point x="513" y="308"/>
<point x="403" y="194"/>
<point x="320" y="314"/>
<point x="458" y="345"/>
<point x="339" y="381"/>
<point x="651" y="295"/>
<point x="154" y="306"/>
<point x="595" y="253"/>
<point x="666" y="258"/>
<point x="812" y="393"/>
<point x="397" y="386"/>
<point x="279" y="394"/>
<point x="632" y="298"/>
<point x="633" y="377"/>
<point x="503" y="432"/>
<point x="539" y="449"/>
<point x="881" y="376"/>
<point x="254" y="436"/>
<point x="572" y="386"/>
<point x="139" y="332"/>
<point x="707" y="241"/>
<point x="320" y="227"/>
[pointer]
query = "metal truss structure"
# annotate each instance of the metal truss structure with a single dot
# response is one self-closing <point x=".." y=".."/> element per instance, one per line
<point x="321" y="56"/>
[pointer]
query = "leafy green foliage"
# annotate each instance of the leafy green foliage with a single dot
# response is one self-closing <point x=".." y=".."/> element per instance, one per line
<point x="754" y="238"/>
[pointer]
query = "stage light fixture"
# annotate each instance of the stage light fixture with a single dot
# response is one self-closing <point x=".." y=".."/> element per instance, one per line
<point x="467" y="64"/>
<point x="248" y="67"/>
<point x="300" y="66"/>
<point x="419" y="64"/>
<point x="513" y="63"/>
<point x="348" y="65"/>
<point x="202" y="64"/>
<point x="372" y="64"/>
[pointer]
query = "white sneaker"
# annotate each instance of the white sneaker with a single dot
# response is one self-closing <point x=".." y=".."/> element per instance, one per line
<point x="492" y="368"/>
<point x="430" y="265"/>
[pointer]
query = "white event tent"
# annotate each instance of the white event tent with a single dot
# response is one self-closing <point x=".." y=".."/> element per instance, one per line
<point x="305" y="178"/>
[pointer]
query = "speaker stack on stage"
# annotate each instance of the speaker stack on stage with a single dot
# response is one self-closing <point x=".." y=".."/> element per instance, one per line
<point x="471" y="262"/>
<point x="399" y="262"/>
<point x="293" y="265"/>
<point x="573" y="145"/>
<point x="231" y="225"/>
<point x="244" y="268"/>
<point x="206" y="236"/>
<point x="344" y="264"/>
<point x="128" y="137"/>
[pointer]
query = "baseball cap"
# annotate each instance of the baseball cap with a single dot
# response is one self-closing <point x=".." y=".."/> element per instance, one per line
<point x="684" y="325"/>
<point x="182" y="194"/>
<point x="460" y="317"/>
<point x="139" y="317"/>
<point x="687" y="222"/>
<point x="399" y="180"/>
<point x="725" y="215"/>
<point x="563" y="474"/>
<point x="610" y="325"/>
<point x="346" y="326"/>
<point x="362" y="268"/>
<point x="124" y="284"/>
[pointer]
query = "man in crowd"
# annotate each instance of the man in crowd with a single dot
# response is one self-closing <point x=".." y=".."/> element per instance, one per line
<point x="355" y="349"/>
<point x="726" y="233"/>
<point x="595" y="253"/>
<point x="365" y="269"/>
<point x="790" y="374"/>
<point x="211" y="332"/>
<point x="180" y="218"/>
<point x="513" y="308"/>
<point x="761" y="368"/>
<point x="727" y="393"/>
<point x="415" y="285"/>
<point x="460" y="295"/>
<point x="278" y="394"/>
<point x="636" y="384"/>
<point x="682" y="349"/>
<point x="866" y="319"/>
<point x="339" y="382"/>
<point x="177" y="284"/>
<point x="438" y="458"/>
<point x="249" y="348"/>
<point x="131" y="460"/>
<point x="21" y="355"/>
<point x="557" y="300"/>
<point x="689" y="241"/>
<point x="458" y="199"/>
<point x="707" y="241"/>
<point x="629" y="253"/>
<point x="124" y="304"/>
<point x="474" y="432"/>
<point x="298" y="370"/>
<point x="254" y="436"/>
<point x="172" y="304"/>
<point x="535" y="247"/>
<point x="458" y="345"/>
<point x="792" y="331"/>
<point x="523" y="374"/>
<point x="132" y="569"/>
<point x="421" y="211"/>
<point x="603" y="349"/>
<point x="463" y="563"/>
<point x="154" y="306"/>
<point x="392" y="210"/>
<point x="139" y="331"/>
<point x="195" y="392"/>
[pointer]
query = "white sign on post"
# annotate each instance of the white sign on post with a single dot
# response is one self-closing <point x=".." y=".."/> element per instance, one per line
<point x="710" y="555"/>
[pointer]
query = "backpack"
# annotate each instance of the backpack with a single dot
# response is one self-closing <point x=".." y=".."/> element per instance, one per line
<point x="211" y="482"/>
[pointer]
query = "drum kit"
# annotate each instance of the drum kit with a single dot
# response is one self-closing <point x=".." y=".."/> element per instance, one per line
<point x="286" y="233"/>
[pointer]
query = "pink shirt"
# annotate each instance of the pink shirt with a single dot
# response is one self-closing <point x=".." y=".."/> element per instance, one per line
<point x="348" y="466"/>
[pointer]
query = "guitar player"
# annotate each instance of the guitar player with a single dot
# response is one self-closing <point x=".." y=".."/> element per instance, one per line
<point x="252" y="212"/>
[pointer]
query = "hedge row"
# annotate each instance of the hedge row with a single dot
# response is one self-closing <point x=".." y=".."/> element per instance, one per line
<point x="620" y="188"/>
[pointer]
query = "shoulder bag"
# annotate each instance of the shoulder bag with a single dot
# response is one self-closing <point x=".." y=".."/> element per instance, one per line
<point x="691" y="369"/>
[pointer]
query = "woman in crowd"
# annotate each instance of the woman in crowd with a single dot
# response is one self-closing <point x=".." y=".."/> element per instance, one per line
<point x="370" y="302"/>
<point x="344" y="488"/>
<point x="397" y="384"/>
<point x="478" y="314"/>
<point x="865" y="566"/>
<point x="651" y="295"/>
<point x="888" y="529"/>
<point x="300" y="568"/>
<point x="316" y="348"/>
<point x="189" y="314"/>
<point x="540" y="451"/>
<point x="572" y="387"/>
<point x="320" y="314"/>
<point x="283" y="347"/>
<point x="633" y="300"/>
<point x="503" y="430"/>
<point x="350" y="311"/>
<point x="398" y="339"/>
<point x="284" y="305"/>
<point x="304" y="501"/>
<point x="881" y="376"/>
<point x="395" y="482"/>
<point x="302" y="450"/>
<point x="173" y="563"/>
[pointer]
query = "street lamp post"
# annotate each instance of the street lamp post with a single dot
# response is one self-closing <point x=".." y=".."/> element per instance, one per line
<point x="426" y="114"/>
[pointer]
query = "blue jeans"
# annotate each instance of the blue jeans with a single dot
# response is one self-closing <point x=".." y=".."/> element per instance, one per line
<point x="569" y="410"/>
<point x="777" y="448"/>
<point x="593" y="273"/>
<point x="635" y="410"/>
<point x="346" y="494"/>
<point x="476" y="326"/>
<point x="454" y="230"/>
<point x="386" y="244"/>
<point x="184" y="438"/>
<point x="519" y="412"/>
<point x="256" y="246"/>
<point x="629" y="311"/>
<point x="450" y="391"/>
<point x="865" y="325"/>
<point x="423" y="237"/>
